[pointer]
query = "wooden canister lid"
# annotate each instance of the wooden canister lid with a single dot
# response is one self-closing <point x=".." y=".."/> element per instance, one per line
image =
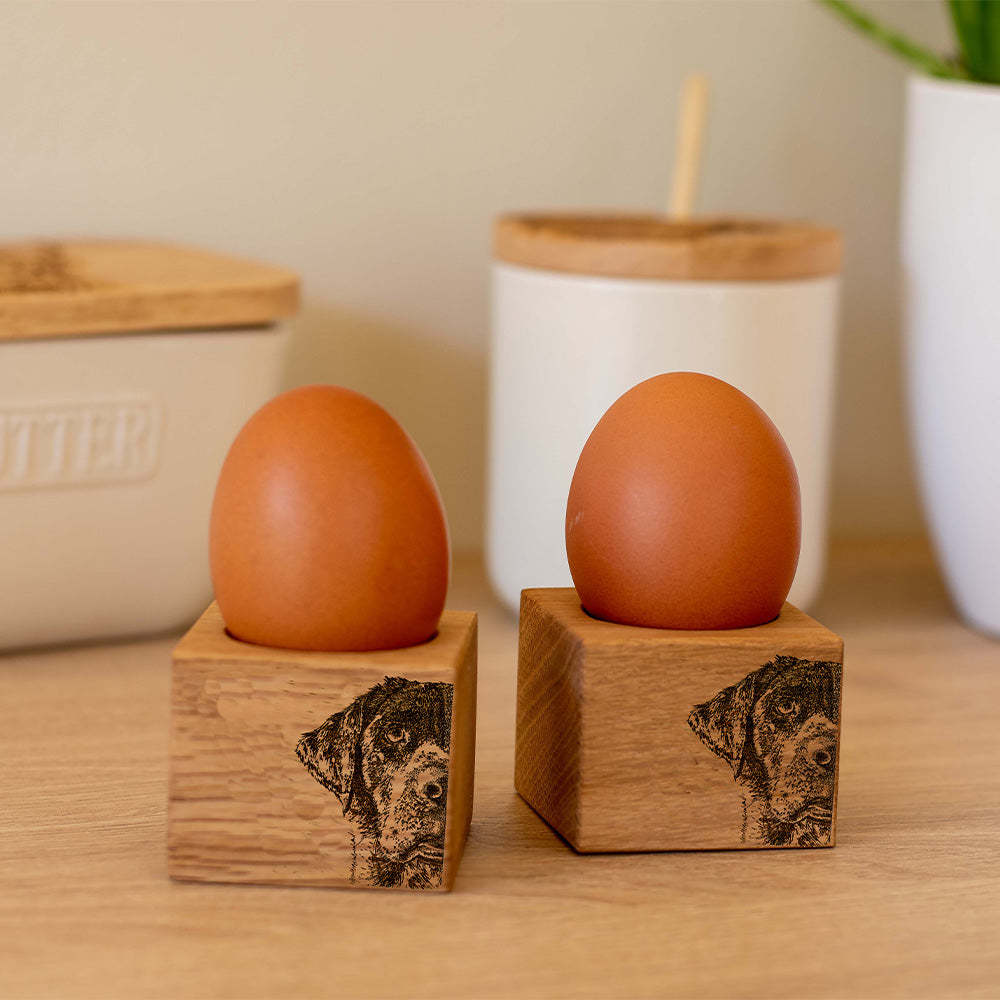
<point x="99" y="287"/>
<point x="648" y="246"/>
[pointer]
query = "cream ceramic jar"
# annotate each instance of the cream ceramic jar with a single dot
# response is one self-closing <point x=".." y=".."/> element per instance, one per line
<point x="585" y="307"/>
<point x="126" y="369"/>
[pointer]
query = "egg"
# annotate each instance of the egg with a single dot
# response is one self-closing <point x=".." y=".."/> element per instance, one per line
<point x="327" y="530"/>
<point x="684" y="509"/>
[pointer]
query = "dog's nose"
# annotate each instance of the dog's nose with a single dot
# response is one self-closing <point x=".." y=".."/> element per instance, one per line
<point x="822" y="754"/>
<point x="436" y="791"/>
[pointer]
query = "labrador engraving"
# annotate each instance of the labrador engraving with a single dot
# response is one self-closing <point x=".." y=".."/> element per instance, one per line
<point x="778" y="729"/>
<point x="386" y="756"/>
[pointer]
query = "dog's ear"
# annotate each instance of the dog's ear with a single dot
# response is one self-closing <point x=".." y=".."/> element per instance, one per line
<point x="332" y="751"/>
<point x="329" y="751"/>
<point x="722" y="724"/>
<point x="725" y="723"/>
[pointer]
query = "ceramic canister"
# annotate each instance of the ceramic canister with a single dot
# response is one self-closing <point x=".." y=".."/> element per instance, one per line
<point x="586" y="306"/>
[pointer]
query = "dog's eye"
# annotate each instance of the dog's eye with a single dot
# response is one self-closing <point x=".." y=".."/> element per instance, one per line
<point x="786" y="706"/>
<point x="396" y="735"/>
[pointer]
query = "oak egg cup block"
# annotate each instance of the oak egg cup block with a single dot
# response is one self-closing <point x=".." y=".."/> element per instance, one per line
<point x="290" y="767"/>
<point x="641" y="739"/>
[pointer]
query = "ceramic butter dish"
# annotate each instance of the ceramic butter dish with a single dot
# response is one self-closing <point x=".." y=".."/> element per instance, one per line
<point x="125" y="370"/>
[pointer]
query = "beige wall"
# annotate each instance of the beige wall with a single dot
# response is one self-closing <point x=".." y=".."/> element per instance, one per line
<point x="369" y="144"/>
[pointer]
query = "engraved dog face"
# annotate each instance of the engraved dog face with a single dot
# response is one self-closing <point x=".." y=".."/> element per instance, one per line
<point x="386" y="758"/>
<point x="777" y="729"/>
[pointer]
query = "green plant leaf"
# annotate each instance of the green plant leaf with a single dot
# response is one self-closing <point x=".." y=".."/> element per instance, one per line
<point x="977" y="26"/>
<point x="917" y="55"/>
<point x="991" y="42"/>
<point x="966" y="18"/>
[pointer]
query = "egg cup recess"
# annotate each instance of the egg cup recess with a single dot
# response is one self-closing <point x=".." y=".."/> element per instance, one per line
<point x="689" y="706"/>
<point x="324" y="706"/>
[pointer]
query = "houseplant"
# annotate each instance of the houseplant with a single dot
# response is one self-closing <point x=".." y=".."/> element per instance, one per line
<point x="950" y="249"/>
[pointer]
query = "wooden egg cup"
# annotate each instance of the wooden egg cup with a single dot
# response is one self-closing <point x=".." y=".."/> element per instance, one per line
<point x="323" y="769"/>
<point x="641" y="739"/>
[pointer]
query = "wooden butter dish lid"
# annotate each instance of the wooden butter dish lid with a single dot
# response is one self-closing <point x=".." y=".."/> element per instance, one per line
<point x="648" y="246"/>
<point x="58" y="289"/>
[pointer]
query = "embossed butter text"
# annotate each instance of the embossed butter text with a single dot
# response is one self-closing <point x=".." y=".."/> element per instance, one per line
<point x="94" y="442"/>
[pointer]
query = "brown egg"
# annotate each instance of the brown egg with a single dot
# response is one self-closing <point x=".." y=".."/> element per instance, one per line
<point x="327" y="530"/>
<point x="684" y="509"/>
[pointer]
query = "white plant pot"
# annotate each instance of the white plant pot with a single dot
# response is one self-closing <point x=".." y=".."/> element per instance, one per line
<point x="566" y="345"/>
<point x="951" y="270"/>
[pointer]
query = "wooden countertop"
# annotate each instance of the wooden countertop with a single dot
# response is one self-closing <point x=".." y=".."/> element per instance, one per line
<point x="907" y="904"/>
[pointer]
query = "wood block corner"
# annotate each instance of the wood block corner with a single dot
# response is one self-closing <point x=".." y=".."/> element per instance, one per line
<point x="334" y="769"/>
<point x="634" y="739"/>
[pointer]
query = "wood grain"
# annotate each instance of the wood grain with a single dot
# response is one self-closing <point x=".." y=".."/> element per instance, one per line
<point x="79" y="288"/>
<point x="242" y="807"/>
<point x="722" y="248"/>
<point x="907" y="905"/>
<point x="604" y="751"/>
